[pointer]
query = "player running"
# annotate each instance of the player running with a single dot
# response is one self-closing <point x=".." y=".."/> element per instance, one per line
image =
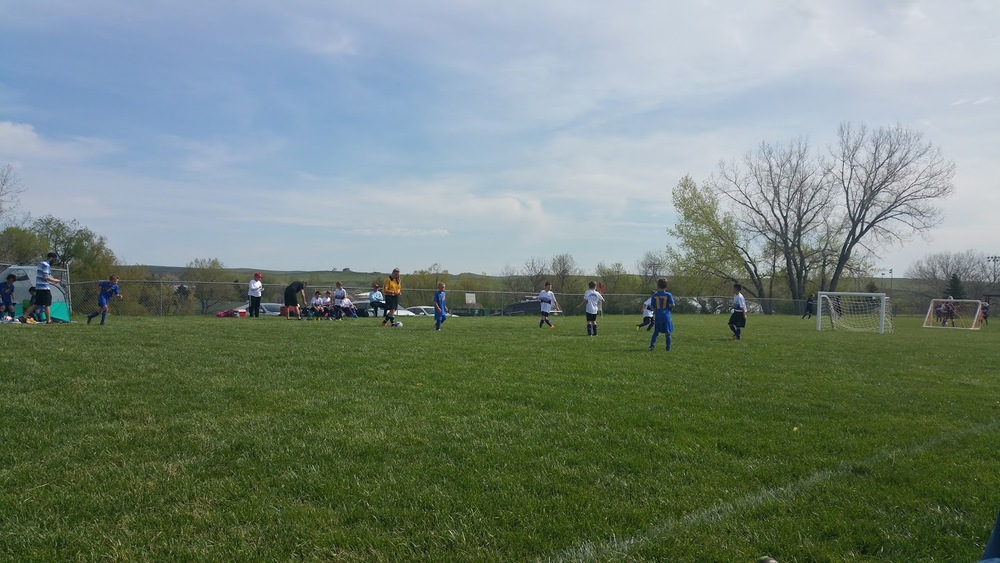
<point x="107" y="290"/>
<point x="548" y="301"/>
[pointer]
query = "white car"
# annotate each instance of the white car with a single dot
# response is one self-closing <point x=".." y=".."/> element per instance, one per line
<point x="425" y="311"/>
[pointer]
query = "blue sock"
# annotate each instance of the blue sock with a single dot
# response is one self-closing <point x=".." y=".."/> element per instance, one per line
<point x="589" y="330"/>
<point x="668" y="342"/>
<point x="595" y="329"/>
<point x="104" y="316"/>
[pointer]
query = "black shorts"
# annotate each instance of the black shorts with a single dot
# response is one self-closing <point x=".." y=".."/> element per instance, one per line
<point x="545" y="314"/>
<point x="43" y="297"/>
<point x="391" y="302"/>
<point x="291" y="299"/>
<point x="591" y="317"/>
<point x="738" y="319"/>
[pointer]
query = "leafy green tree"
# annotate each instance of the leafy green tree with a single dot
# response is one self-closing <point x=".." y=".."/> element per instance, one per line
<point x="209" y="282"/>
<point x="83" y="249"/>
<point x="20" y="245"/>
<point x="712" y="247"/>
<point x="427" y="278"/>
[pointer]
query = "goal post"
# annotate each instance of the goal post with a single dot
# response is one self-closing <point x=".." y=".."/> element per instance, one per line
<point x="954" y="313"/>
<point x="853" y="311"/>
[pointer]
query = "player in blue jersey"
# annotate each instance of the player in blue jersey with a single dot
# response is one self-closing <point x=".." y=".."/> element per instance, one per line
<point x="7" y="296"/>
<point x="107" y="290"/>
<point x="440" y="309"/>
<point x="662" y="302"/>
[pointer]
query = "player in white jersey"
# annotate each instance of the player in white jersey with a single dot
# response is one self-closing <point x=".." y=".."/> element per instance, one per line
<point x="647" y="315"/>
<point x="548" y="301"/>
<point x="592" y="299"/>
<point x="738" y="320"/>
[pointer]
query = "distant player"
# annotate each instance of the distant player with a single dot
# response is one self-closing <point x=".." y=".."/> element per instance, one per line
<point x="592" y="299"/>
<point x="440" y="309"/>
<point x="985" y="311"/>
<point x="106" y="291"/>
<point x="810" y="307"/>
<point x="738" y="320"/>
<point x="647" y="315"/>
<point x="948" y="312"/>
<point x="548" y="301"/>
<point x="662" y="303"/>
<point x="7" y="296"/>
<point x="393" y="289"/>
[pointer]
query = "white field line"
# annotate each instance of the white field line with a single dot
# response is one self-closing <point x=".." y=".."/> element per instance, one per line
<point x="619" y="547"/>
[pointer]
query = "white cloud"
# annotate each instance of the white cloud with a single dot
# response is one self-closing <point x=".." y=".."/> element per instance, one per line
<point x="20" y="141"/>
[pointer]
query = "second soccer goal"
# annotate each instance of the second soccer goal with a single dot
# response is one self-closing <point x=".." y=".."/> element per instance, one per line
<point x="855" y="312"/>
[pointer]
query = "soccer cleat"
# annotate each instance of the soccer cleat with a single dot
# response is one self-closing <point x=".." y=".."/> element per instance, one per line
<point x="552" y="326"/>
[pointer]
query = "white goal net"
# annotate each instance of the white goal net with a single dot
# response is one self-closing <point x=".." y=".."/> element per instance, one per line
<point x="855" y="312"/>
<point x="954" y="313"/>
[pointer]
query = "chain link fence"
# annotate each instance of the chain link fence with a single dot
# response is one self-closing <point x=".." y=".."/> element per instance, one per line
<point x="185" y="298"/>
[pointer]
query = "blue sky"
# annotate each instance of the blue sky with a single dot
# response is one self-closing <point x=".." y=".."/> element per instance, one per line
<point x="316" y="134"/>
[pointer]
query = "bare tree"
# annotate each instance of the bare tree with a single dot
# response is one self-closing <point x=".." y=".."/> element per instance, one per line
<point x="10" y="190"/>
<point x="564" y="272"/>
<point x="512" y="281"/>
<point x="933" y="272"/>
<point x="535" y="270"/>
<point x="207" y="280"/>
<point x="779" y="196"/>
<point x="651" y="266"/>
<point x="889" y="181"/>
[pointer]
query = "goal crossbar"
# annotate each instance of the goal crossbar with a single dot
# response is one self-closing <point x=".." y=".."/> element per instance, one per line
<point x="954" y="313"/>
<point x="853" y="311"/>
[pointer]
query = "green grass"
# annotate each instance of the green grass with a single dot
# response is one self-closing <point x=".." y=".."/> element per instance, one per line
<point x="266" y="439"/>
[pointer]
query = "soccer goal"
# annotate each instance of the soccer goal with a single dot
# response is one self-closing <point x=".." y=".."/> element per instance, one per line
<point x="954" y="313"/>
<point x="855" y="312"/>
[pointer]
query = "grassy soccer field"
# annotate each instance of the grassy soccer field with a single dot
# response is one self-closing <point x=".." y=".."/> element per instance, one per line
<point x="266" y="439"/>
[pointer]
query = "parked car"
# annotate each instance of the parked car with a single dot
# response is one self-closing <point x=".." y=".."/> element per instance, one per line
<point x="270" y="309"/>
<point x="425" y="311"/>
<point x="529" y="306"/>
<point x="361" y="303"/>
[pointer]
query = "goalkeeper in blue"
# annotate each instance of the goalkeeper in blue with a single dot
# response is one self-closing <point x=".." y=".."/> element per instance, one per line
<point x="105" y="292"/>
<point x="662" y="303"/>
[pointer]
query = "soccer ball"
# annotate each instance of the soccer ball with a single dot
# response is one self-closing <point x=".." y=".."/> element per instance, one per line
<point x="399" y="324"/>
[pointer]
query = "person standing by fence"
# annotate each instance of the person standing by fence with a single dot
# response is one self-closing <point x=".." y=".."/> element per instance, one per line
<point x="255" y="289"/>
